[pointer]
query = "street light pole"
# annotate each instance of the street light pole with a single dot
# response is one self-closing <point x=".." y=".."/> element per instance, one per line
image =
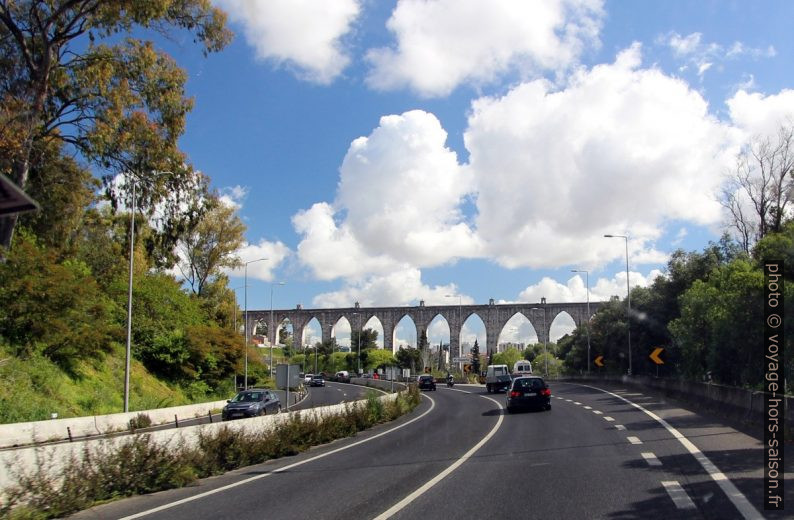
<point x="271" y="330"/>
<point x="245" y="377"/>
<point x="129" y="307"/>
<point x="628" y="294"/>
<point x="128" y="353"/>
<point x="587" y="276"/>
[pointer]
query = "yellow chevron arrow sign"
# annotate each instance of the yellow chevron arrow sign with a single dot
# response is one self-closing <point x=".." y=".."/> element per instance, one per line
<point x="599" y="361"/>
<point x="655" y="356"/>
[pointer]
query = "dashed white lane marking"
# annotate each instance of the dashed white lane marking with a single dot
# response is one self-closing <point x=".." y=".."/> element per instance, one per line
<point x="626" y="394"/>
<point x="559" y="398"/>
<point x="679" y="496"/>
<point x="620" y="427"/>
<point x="568" y="401"/>
<point x="598" y="412"/>
<point x="396" y="508"/>
<point x="651" y="459"/>
<point x="608" y="418"/>
<point x="279" y="470"/>
<point x="634" y="440"/>
<point x="588" y="407"/>
<point x="745" y="507"/>
<point x="577" y="402"/>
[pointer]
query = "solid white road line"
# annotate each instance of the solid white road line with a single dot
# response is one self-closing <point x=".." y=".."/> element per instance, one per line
<point x="634" y="440"/>
<point x="679" y="496"/>
<point x="738" y="499"/>
<point x="651" y="459"/>
<point x="279" y="470"/>
<point x="396" y="508"/>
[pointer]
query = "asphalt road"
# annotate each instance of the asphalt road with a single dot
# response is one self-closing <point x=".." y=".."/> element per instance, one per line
<point x="331" y="393"/>
<point x="458" y="455"/>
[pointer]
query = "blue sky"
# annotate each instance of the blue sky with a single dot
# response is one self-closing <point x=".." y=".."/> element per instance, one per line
<point x="392" y="151"/>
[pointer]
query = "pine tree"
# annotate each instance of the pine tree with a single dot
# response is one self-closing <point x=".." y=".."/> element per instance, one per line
<point x="475" y="354"/>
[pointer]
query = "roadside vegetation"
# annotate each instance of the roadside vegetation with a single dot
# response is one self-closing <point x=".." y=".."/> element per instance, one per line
<point x="138" y="465"/>
<point x="93" y="111"/>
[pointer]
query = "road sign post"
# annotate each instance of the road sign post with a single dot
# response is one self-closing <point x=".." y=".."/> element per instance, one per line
<point x="656" y="358"/>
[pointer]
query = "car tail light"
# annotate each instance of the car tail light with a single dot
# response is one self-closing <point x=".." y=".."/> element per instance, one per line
<point x="515" y="394"/>
<point x="546" y="392"/>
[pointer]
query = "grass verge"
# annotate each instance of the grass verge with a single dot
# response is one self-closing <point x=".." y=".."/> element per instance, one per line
<point x="139" y="465"/>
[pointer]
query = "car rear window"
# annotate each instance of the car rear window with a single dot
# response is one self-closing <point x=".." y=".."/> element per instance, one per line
<point x="528" y="384"/>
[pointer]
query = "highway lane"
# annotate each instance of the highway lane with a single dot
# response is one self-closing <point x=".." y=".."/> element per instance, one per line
<point x="357" y="483"/>
<point x="592" y="456"/>
<point x="596" y="456"/>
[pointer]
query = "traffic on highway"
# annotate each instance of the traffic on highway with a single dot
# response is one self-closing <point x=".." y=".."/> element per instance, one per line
<point x="595" y="451"/>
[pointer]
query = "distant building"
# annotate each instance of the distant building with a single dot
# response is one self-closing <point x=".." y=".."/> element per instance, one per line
<point x="510" y="344"/>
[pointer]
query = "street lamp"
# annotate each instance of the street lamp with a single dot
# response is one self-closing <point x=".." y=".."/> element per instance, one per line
<point x="628" y="294"/>
<point x="271" y="330"/>
<point x="245" y="378"/>
<point x="587" y="276"/>
<point x="129" y="296"/>
<point x="545" y="337"/>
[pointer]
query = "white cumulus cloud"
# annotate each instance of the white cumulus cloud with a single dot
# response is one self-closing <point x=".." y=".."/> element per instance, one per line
<point x="443" y="43"/>
<point x="398" y="204"/>
<point x="273" y="252"/>
<point x="575" y="289"/>
<point x="620" y="150"/>
<point x="304" y="34"/>
<point x="401" y="287"/>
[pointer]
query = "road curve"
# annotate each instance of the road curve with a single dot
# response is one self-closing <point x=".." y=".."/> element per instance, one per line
<point x="594" y="455"/>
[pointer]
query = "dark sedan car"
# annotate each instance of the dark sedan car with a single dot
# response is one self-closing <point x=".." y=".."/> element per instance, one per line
<point x="528" y="392"/>
<point x="317" y="380"/>
<point x="426" y="382"/>
<point x="250" y="403"/>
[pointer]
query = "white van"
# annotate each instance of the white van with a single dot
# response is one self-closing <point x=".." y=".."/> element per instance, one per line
<point x="497" y="378"/>
<point x="522" y="367"/>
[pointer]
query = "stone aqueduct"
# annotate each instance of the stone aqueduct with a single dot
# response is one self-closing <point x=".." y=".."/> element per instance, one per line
<point x="494" y="316"/>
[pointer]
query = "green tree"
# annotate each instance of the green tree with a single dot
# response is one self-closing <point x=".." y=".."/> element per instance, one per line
<point x="409" y="358"/>
<point x="162" y="313"/>
<point x="53" y="308"/>
<point x="369" y="339"/>
<point x="211" y="245"/>
<point x="64" y="191"/>
<point x="475" y="355"/>
<point x="720" y="327"/>
<point x="119" y="104"/>
<point x="214" y="355"/>
<point x="508" y="357"/>
<point x="379" y="358"/>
